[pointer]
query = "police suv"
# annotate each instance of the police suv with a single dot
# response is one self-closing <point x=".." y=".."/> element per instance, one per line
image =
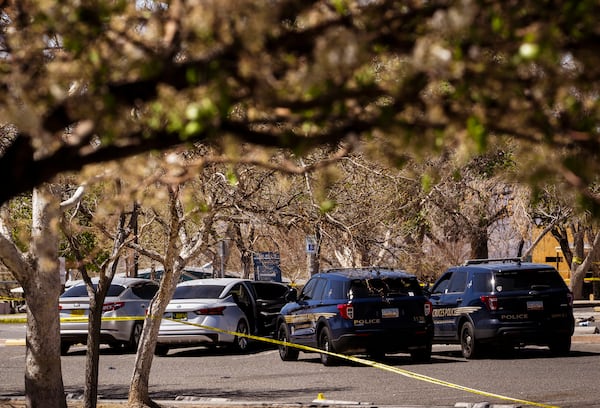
<point x="358" y="311"/>
<point x="502" y="302"/>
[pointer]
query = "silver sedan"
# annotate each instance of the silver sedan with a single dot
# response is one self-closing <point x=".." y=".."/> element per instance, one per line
<point x="126" y="298"/>
<point x="226" y="304"/>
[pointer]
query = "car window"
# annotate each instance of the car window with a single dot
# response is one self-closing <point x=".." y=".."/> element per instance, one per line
<point x="198" y="292"/>
<point x="308" y="289"/>
<point x="482" y="282"/>
<point x="458" y="282"/>
<point x="266" y="290"/>
<point x="335" y="290"/>
<point x="145" y="290"/>
<point x="364" y="288"/>
<point x="442" y="285"/>
<point x="319" y="289"/>
<point x="527" y="280"/>
<point x="81" y="291"/>
<point x="240" y="294"/>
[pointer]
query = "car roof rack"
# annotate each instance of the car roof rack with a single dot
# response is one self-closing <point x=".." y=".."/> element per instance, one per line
<point x="492" y="260"/>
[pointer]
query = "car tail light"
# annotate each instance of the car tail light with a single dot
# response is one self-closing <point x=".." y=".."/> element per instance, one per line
<point x="211" y="311"/>
<point x="570" y="299"/>
<point x="109" y="307"/>
<point x="427" y="308"/>
<point x="490" y="301"/>
<point x="346" y="311"/>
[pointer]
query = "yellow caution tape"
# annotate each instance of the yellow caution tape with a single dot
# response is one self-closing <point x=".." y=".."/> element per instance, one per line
<point x="6" y="298"/>
<point x="375" y="364"/>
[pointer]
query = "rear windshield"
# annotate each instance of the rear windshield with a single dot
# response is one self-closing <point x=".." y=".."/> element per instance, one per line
<point x="384" y="287"/>
<point x="81" y="291"/>
<point x="527" y="280"/>
<point x="198" y="292"/>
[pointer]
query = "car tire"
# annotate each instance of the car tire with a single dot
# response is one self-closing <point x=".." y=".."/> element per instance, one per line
<point x="469" y="346"/>
<point x="241" y="343"/>
<point x="286" y="353"/>
<point x="64" y="348"/>
<point x="422" y="355"/>
<point x="325" y="344"/>
<point x="561" y="346"/>
<point x="161" y="350"/>
<point x="134" y="338"/>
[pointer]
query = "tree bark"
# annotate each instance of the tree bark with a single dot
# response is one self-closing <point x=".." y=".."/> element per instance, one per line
<point x="43" y="375"/>
<point x="479" y="244"/>
<point x="580" y="266"/>
<point x="138" y="389"/>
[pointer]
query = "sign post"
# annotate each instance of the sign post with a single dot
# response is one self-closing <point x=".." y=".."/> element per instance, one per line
<point x="311" y="254"/>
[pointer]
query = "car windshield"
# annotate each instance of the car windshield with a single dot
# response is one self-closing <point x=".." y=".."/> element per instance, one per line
<point x="527" y="280"/>
<point x="384" y="287"/>
<point x="198" y="292"/>
<point x="81" y="291"/>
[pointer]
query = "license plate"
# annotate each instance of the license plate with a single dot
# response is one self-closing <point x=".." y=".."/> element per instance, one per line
<point x="179" y="315"/>
<point x="389" y="312"/>
<point x="77" y="312"/>
<point x="535" y="305"/>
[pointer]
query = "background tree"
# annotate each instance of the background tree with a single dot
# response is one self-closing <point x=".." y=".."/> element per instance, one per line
<point x="576" y="232"/>
<point x="105" y="263"/>
<point x="470" y="200"/>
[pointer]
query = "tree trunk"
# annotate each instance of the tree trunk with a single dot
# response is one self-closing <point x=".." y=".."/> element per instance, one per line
<point x="576" y="282"/>
<point x="479" y="244"/>
<point x="92" y="355"/>
<point x="579" y="268"/>
<point x="43" y="375"/>
<point x="138" y="389"/>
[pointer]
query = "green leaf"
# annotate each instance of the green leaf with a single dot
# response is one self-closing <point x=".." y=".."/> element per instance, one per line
<point x="477" y="132"/>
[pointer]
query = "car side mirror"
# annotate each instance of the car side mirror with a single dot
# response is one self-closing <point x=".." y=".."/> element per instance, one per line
<point x="292" y="295"/>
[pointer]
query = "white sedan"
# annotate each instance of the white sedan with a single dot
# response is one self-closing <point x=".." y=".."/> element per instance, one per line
<point x="227" y="304"/>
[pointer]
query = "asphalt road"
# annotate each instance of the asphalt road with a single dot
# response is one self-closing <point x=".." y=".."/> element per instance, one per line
<point x="529" y="374"/>
<point x="211" y="377"/>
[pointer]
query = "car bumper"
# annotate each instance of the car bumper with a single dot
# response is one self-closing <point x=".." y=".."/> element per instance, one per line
<point x="111" y="331"/>
<point x="385" y="342"/>
<point x="540" y="333"/>
<point x="174" y="333"/>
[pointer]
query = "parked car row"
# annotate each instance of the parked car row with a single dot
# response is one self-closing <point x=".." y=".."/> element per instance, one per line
<point x="482" y="305"/>
<point x="230" y="304"/>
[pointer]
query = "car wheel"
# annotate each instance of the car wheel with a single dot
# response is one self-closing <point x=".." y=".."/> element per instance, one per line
<point x="134" y="339"/>
<point x="286" y="353"/>
<point x="64" y="348"/>
<point x="468" y="344"/>
<point x="421" y="355"/>
<point x="161" y="350"/>
<point x="561" y="346"/>
<point x="325" y="344"/>
<point x="240" y="343"/>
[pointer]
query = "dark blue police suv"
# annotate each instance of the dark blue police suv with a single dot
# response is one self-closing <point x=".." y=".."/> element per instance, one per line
<point x="370" y="311"/>
<point x="502" y="303"/>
